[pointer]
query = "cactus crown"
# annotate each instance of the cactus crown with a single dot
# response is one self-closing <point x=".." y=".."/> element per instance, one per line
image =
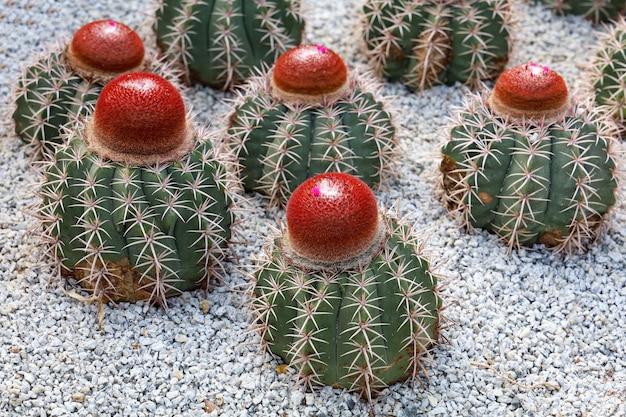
<point x="309" y="74"/>
<point x="105" y="49"/>
<point x="332" y="223"/>
<point x="530" y="92"/>
<point x="140" y="118"/>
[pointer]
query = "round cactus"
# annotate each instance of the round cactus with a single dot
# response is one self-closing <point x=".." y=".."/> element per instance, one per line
<point x="609" y="73"/>
<point x="355" y="308"/>
<point x="221" y="43"/>
<point x="595" y="10"/>
<point x="438" y="41"/>
<point x="136" y="205"/>
<point x="541" y="173"/>
<point x="65" y="83"/>
<point x="309" y="115"/>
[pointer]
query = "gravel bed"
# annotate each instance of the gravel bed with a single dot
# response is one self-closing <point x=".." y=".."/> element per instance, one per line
<point x="532" y="334"/>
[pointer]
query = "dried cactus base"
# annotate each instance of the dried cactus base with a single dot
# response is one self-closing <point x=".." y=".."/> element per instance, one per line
<point x="123" y="283"/>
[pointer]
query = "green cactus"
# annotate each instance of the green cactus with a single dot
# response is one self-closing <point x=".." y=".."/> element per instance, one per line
<point x="358" y="327"/>
<point x="281" y="139"/>
<point x="220" y="43"/>
<point x="57" y="88"/>
<point x="609" y="73"/>
<point x="428" y="42"/>
<point x="595" y="10"/>
<point x="532" y="180"/>
<point x="144" y="230"/>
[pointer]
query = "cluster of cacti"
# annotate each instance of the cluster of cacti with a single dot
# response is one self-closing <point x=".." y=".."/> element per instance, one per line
<point x="595" y="10"/>
<point x="136" y="204"/>
<point x="346" y="296"/>
<point x="529" y="164"/>
<point x="308" y="115"/>
<point x="65" y="83"/>
<point x="609" y="73"/>
<point x="422" y="43"/>
<point x="221" y="43"/>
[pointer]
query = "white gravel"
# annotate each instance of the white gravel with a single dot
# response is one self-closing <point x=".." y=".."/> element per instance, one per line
<point x="535" y="334"/>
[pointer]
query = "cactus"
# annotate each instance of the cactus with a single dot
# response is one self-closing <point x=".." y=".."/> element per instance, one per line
<point x="427" y="42"/>
<point x="595" y="10"/>
<point x="309" y="115"/>
<point x="65" y="82"/>
<point x="345" y="295"/>
<point x="531" y="164"/>
<point x="220" y="43"/>
<point x="136" y="204"/>
<point x="609" y="73"/>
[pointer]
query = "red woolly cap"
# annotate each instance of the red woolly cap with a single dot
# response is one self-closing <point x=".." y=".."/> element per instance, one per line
<point x="309" y="71"/>
<point x="106" y="47"/>
<point x="332" y="218"/>
<point x="139" y="113"/>
<point x="530" y="92"/>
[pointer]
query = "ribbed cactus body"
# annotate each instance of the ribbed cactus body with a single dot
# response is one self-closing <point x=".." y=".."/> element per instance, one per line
<point x="359" y="329"/>
<point x="220" y="43"/>
<point x="136" y="232"/>
<point x="280" y="144"/>
<point x="432" y="42"/>
<point x="49" y="95"/>
<point x="549" y="183"/>
<point x="594" y="10"/>
<point x="609" y="73"/>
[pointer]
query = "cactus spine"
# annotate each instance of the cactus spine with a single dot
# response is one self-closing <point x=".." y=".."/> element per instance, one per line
<point x="520" y="163"/>
<point x="220" y="42"/>
<point x="306" y="116"/>
<point x="595" y="10"/>
<point x="609" y="73"/>
<point x="131" y="215"/>
<point x="65" y="83"/>
<point x="427" y="42"/>
<point x="362" y="326"/>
